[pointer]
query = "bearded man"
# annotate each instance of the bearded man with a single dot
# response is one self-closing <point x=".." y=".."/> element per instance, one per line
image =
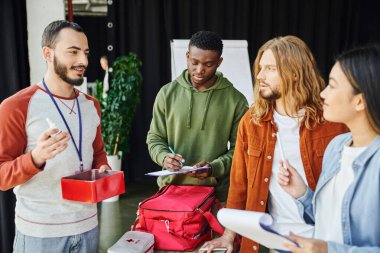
<point x="35" y="155"/>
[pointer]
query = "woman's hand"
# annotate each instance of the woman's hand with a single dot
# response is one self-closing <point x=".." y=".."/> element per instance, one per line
<point x="306" y="245"/>
<point x="290" y="180"/>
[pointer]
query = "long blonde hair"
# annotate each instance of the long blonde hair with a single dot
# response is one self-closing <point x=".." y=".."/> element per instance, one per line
<point x="301" y="81"/>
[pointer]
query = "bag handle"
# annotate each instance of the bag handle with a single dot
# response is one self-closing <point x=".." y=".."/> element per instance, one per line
<point x="212" y="221"/>
<point x="136" y="226"/>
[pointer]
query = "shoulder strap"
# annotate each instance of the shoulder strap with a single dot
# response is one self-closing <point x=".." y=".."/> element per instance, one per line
<point x="212" y="221"/>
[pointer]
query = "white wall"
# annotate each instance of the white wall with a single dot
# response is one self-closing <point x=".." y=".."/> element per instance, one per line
<point x="39" y="14"/>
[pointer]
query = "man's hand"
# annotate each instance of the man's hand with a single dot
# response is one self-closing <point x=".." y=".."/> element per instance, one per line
<point x="173" y="162"/>
<point x="290" y="180"/>
<point x="49" y="144"/>
<point x="103" y="168"/>
<point x="225" y="241"/>
<point x="306" y="245"/>
<point x="201" y="174"/>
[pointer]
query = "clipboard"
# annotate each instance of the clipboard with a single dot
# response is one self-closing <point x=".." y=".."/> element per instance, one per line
<point x="255" y="226"/>
<point x="183" y="170"/>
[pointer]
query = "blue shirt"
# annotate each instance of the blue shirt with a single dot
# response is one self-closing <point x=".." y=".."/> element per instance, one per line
<point x="361" y="203"/>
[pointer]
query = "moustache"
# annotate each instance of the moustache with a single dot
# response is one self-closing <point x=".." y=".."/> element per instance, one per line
<point x="79" y="66"/>
<point x="263" y="83"/>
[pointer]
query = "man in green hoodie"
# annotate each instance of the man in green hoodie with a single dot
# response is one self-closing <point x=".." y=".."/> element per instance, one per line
<point x="197" y="115"/>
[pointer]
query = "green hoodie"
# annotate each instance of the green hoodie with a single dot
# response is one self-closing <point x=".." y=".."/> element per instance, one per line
<point x="197" y="125"/>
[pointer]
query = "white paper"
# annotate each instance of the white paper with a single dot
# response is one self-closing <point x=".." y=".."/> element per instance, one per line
<point x="183" y="170"/>
<point x="255" y="226"/>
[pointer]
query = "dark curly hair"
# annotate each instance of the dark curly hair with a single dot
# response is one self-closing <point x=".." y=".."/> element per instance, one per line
<point x="49" y="36"/>
<point x="207" y="40"/>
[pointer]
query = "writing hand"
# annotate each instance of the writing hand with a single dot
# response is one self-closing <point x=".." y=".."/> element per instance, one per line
<point x="173" y="162"/>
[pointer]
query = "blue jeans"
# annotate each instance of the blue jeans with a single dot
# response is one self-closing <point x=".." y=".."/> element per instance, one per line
<point x="83" y="243"/>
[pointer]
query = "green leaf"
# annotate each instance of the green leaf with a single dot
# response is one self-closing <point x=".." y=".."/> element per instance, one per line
<point x="119" y="106"/>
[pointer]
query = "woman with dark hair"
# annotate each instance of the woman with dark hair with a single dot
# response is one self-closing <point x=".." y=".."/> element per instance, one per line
<point x="345" y="205"/>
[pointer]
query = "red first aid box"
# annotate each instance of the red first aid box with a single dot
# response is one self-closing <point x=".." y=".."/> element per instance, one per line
<point x="92" y="186"/>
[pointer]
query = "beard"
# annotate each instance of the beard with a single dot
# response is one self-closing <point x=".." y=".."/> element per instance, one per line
<point x="61" y="70"/>
<point x="273" y="95"/>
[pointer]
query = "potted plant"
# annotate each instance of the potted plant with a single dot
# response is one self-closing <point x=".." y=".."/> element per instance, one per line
<point x="119" y="104"/>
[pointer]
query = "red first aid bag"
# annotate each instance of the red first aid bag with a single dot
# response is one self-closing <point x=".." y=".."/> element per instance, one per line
<point x="179" y="217"/>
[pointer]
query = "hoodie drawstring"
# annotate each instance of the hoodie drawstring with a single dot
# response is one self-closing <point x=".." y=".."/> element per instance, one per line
<point x="188" y="122"/>
<point x="206" y="109"/>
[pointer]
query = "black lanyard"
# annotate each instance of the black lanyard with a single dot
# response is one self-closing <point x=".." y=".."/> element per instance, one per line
<point x="79" y="150"/>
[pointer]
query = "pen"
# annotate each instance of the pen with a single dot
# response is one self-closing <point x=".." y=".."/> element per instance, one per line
<point x="281" y="149"/>
<point x="172" y="151"/>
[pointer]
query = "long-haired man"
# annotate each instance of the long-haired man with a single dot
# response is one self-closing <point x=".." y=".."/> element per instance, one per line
<point x="287" y="109"/>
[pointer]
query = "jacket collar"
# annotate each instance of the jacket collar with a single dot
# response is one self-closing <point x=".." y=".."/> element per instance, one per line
<point x="372" y="148"/>
<point x="269" y="115"/>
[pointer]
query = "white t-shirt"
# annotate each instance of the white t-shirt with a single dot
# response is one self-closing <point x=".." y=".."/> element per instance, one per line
<point x="328" y="217"/>
<point x="282" y="206"/>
